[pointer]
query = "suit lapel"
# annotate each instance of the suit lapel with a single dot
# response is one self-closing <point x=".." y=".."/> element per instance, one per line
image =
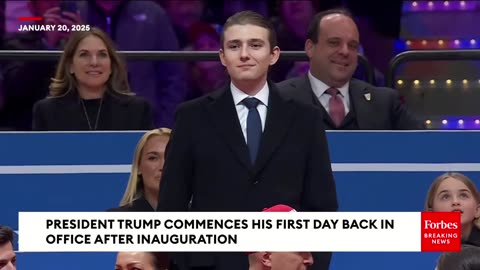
<point x="306" y="94"/>
<point x="225" y="119"/>
<point x="279" y="116"/>
<point x="304" y="91"/>
<point x="361" y="100"/>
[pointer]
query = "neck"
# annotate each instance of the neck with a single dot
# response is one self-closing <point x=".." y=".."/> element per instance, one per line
<point x="152" y="198"/>
<point x="330" y="83"/>
<point x="250" y="88"/>
<point x="88" y="93"/>
<point x="256" y="266"/>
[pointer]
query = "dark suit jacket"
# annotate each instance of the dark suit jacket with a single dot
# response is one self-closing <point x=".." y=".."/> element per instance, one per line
<point x="119" y="112"/>
<point x="384" y="110"/>
<point x="207" y="160"/>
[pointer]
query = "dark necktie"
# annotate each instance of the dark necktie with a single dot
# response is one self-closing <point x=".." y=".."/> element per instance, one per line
<point x="254" y="127"/>
<point x="336" y="109"/>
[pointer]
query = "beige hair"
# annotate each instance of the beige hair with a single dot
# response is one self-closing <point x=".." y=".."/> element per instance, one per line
<point x="135" y="187"/>
<point x="64" y="81"/>
<point x="455" y="175"/>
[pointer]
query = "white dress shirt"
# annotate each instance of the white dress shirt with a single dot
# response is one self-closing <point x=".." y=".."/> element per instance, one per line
<point x="242" y="110"/>
<point x="319" y="89"/>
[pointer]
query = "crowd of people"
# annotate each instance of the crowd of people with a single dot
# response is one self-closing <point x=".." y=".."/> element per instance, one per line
<point x="163" y="25"/>
<point x="226" y="148"/>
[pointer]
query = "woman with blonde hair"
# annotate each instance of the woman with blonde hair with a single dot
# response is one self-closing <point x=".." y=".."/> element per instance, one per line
<point x="90" y="90"/>
<point x="141" y="194"/>
<point x="455" y="192"/>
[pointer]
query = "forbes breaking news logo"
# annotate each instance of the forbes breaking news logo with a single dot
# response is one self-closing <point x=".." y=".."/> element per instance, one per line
<point x="441" y="231"/>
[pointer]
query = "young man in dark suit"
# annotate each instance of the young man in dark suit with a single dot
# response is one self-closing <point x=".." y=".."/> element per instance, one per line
<point x="346" y="103"/>
<point x="244" y="147"/>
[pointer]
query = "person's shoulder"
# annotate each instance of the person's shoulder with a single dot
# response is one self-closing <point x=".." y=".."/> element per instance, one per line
<point x="199" y="103"/>
<point x="301" y="108"/>
<point x="289" y="84"/>
<point x="129" y="99"/>
<point x="381" y="90"/>
<point x="124" y="208"/>
<point x="138" y="205"/>
<point x="49" y="102"/>
<point x="133" y="99"/>
<point x="381" y="94"/>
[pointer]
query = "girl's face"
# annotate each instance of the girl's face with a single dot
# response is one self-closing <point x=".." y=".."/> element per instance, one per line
<point x="453" y="195"/>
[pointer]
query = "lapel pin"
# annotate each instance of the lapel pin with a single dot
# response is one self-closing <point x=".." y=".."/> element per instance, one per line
<point x="368" y="96"/>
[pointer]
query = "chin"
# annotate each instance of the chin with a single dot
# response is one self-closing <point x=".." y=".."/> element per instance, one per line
<point x="248" y="78"/>
<point x="96" y="85"/>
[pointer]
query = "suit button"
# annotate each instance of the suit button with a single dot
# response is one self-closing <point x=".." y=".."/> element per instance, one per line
<point x="255" y="182"/>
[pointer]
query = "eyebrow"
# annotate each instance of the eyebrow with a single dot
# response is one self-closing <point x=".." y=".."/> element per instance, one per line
<point x="461" y="190"/>
<point x="85" y="50"/>
<point x="250" y="40"/>
<point x="135" y="263"/>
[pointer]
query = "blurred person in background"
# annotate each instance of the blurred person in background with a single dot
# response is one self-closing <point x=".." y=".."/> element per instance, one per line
<point x="291" y="24"/>
<point x="467" y="259"/>
<point x="204" y="76"/>
<point x="455" y="192"/>
<point x="143" y="25"/>
<point x="141" y="194"/>
<point x="231" y="7"/>
<point x="26" y="82"/>
<point x="142" y="261"/>
<point x="14" y="9"/>
<point x="90" y="90"/>
<point x="8" y="259"/>
<point x="184" y="14"/>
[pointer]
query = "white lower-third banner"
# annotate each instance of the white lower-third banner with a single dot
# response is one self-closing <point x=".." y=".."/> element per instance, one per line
<point x="238" y="231"/>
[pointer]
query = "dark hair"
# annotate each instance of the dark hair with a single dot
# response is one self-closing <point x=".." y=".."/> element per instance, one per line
<point x="314" y="26"/>
<point x="6" y="235"/>
<point x="250" y="17"/>
<point x="467" y="259"/>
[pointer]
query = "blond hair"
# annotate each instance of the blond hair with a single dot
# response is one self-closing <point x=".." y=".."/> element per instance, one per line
<point x="64" y="81"/>
<point x="458" y="176"/>
<point x="135" y="186"/>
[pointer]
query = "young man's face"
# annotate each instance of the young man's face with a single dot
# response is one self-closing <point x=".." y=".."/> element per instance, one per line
<point x="246" y="53"/>
<point x="8" y="260"/>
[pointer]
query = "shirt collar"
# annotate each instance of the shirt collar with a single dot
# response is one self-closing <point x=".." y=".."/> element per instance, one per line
<point x="239" y="95"/>
<point x="320" y="87"/>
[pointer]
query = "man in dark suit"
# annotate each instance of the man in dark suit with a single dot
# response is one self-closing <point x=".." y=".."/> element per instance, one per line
<point x="346" y="103"/>
<point x="227" y="154"/>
